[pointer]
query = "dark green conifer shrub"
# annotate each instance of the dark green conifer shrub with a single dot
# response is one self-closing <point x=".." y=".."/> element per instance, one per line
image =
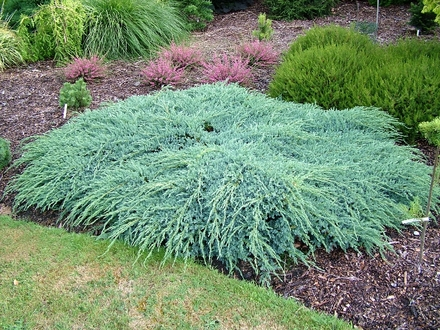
<point x="337" y="71"/>
<point x="226" y="6"/>
<point x="386" y="3"/>
<point x="5" y="153"/>
<point x="299" y="9"/>
<point x="216" y="171"/>
<point x="425" y="22"/>
<point x="197" y="12"/>
<point x="16" y="8"/>
<point x="75" y="95"/>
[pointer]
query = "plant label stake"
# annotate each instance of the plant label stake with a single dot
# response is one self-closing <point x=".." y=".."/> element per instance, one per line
<point x="65" y="111"/>
<point x="431" y="132"/>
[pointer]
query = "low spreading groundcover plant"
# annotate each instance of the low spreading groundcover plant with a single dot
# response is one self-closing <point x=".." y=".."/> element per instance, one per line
<point x="217" y="171"/>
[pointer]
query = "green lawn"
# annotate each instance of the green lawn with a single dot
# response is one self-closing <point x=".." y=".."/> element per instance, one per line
<point x="51" y="279"/>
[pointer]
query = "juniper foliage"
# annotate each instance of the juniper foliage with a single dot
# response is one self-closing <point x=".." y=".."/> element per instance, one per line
<point x="5" y="153"/>
<point x="217" y="171"/>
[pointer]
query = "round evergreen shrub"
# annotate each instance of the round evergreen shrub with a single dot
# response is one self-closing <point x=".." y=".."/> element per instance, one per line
<point x="217" y="171"/>
<point x="5" y="153"/>
<point x="340" y="68"/>
<point x="331" y="35"/>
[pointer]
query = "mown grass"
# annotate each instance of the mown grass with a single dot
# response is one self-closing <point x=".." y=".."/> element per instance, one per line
<point x="51" y="279"/>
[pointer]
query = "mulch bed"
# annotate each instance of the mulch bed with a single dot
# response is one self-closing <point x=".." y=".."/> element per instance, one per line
<point x="371" y="291"/>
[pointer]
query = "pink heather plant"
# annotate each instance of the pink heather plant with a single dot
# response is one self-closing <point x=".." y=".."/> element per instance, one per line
<point x="88" y="69"/>
<point x="181" y="56"/>
<point x="259" y="53"/>
<point x="232" y="69"/>
<point x="161" y="72"/>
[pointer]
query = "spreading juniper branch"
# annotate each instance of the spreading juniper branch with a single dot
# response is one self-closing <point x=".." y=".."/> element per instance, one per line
<point x="265" y="175"/>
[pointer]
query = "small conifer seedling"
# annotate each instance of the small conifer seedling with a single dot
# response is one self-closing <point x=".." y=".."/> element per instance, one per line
<point x="265" y="30"/>
<point x="75" y="95"/>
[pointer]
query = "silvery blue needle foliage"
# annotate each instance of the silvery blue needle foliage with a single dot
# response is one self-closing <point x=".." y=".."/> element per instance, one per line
<point x="218" y="171"/>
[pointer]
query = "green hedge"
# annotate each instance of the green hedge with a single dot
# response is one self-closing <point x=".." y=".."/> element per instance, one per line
<point x="219" y="172"/>
<point x="341" y="68"/>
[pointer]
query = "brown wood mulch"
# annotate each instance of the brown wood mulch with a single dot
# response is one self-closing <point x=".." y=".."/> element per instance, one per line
<point x="369" y="291"/>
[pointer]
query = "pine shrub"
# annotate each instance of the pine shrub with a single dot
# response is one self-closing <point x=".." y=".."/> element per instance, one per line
<point x="87" y="68"/>
<point x="337" y="71"/>
<point x="265" y="30"/>
<point x="259" y="53"/>
<point x="161" y="72"/>
<point x="425" y="22"/>
<point x="75" y="95"/>
<point x="299" y="9"/>
<point x="5" y="153"/>
<point x="229" y="68"/>
<point x="127" y="29"/>
<point x="217" y="171"/>
<point x="197" y="12"/>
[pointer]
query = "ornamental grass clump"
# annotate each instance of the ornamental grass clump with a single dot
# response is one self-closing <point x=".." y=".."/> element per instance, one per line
<point x="219" y="172"/>
<point x="127" y="29"/>
<point x="86" y="68"/>
<point x="9" y="48"/>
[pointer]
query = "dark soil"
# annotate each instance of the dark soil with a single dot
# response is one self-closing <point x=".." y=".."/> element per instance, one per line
<point x="370" y="291"/>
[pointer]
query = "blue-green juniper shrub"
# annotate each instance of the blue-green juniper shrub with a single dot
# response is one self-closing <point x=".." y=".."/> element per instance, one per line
<point x="217" y="171"/>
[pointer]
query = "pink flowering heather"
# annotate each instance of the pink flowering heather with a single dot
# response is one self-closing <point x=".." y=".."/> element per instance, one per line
<point x="161" y="72"/>
<point x="232" y="69"/>
<point x="259" y="53"/>
<point x="181" y="56"/>
<point x="88" y="69"/>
